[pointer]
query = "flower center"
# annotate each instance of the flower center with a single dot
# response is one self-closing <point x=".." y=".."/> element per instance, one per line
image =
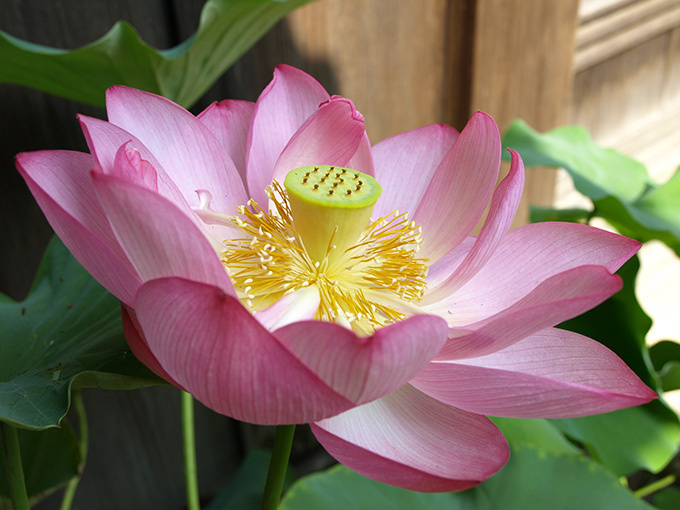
<point x="318" y="232"/>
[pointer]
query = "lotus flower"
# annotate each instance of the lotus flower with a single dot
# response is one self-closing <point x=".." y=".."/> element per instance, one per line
<point x="380" y="321"/>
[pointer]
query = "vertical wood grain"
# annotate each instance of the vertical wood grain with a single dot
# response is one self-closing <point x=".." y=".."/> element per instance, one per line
<point x="388" y="57"/>
<point x="521" y="68"/>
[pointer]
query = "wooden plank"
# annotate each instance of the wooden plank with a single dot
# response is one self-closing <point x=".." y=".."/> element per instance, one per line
<point x="602" y="27"/>
<point x="388" y="57"/>
<point x="521" y="68"/>
<point x="624" y="31"/>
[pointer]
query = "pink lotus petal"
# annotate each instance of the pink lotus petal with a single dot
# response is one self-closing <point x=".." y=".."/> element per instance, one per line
<point x="229" y="121"/>
<point x="157" y="237"/>
<point x="438" y="272"/>
<point x="461" y="187"/>
<point x="184" y="147"/>
<point x="555" y="300"/>
<point x="550" y="374"/>
<point x="405" y="165"/>
<point x="105" y="140"/>
<point x="60" y="182"/>
<point x="289" y="99"/>
<point x="413" y="441"/>
<point x="363" y="157"/>
<point x="129" y="166"/>
<point x="214" y="348"/>
<point x="64" y="176"/>
<point x="363" y="369"/>
<point x="330" y="136"/>
<point x="135" y="339"/>
<point x="526" y="257"/>
<point x="503" y="209"/>
<point x="300" y="305"/>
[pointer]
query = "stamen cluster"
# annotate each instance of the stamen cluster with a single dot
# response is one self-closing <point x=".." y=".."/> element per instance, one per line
<point x="369" y="285"/>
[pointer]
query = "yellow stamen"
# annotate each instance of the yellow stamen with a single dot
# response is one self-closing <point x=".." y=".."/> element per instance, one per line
<point x="364" y="285"/>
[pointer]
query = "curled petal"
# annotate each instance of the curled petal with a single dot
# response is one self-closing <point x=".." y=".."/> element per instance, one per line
<point x="405" y="164"/>
<point x="461" y="187"/>
<point x="183" y="145"/>
<point x="503" y="209"/>
<point x="207" y="342"/>
<point x="289" y="99"/>
<point x="557" y="299"/>
<point x="330" y="136"/>
<point x="550" y="374"/>
<point x="60" y="182"/>
<point x="129" y="166"/>
<point x="363" y="369"/>
<point x="411" y="440"/>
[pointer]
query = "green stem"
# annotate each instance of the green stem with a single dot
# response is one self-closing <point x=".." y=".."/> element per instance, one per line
<point x="84" y="442"/>
<point x="15" y="471"/>
<point x="283" y="441"/>
<point x="189" y="443"/>
<point x="655" y="486"/>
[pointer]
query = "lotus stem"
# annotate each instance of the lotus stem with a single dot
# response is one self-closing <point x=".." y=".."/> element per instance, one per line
<point x="655" y="486"/>
<point x="189" y="444"/>
<point x="84" y="441"/>
<point x="283" y="441"/>
<point x="15" y="471"/>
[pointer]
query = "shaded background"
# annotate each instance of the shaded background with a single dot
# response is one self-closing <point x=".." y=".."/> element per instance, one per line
<point x="611" y="65"/>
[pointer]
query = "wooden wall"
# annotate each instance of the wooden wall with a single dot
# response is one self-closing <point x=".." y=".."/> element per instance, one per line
<point x="405" y="64"/>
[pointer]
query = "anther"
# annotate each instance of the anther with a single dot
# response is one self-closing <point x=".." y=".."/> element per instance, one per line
<point x="330" y="192"/>
<point x="349" y="191"/>
<point x="316" y="186"/>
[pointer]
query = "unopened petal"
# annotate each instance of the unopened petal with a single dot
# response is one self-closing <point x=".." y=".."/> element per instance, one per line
<point x="411" y="440"/>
